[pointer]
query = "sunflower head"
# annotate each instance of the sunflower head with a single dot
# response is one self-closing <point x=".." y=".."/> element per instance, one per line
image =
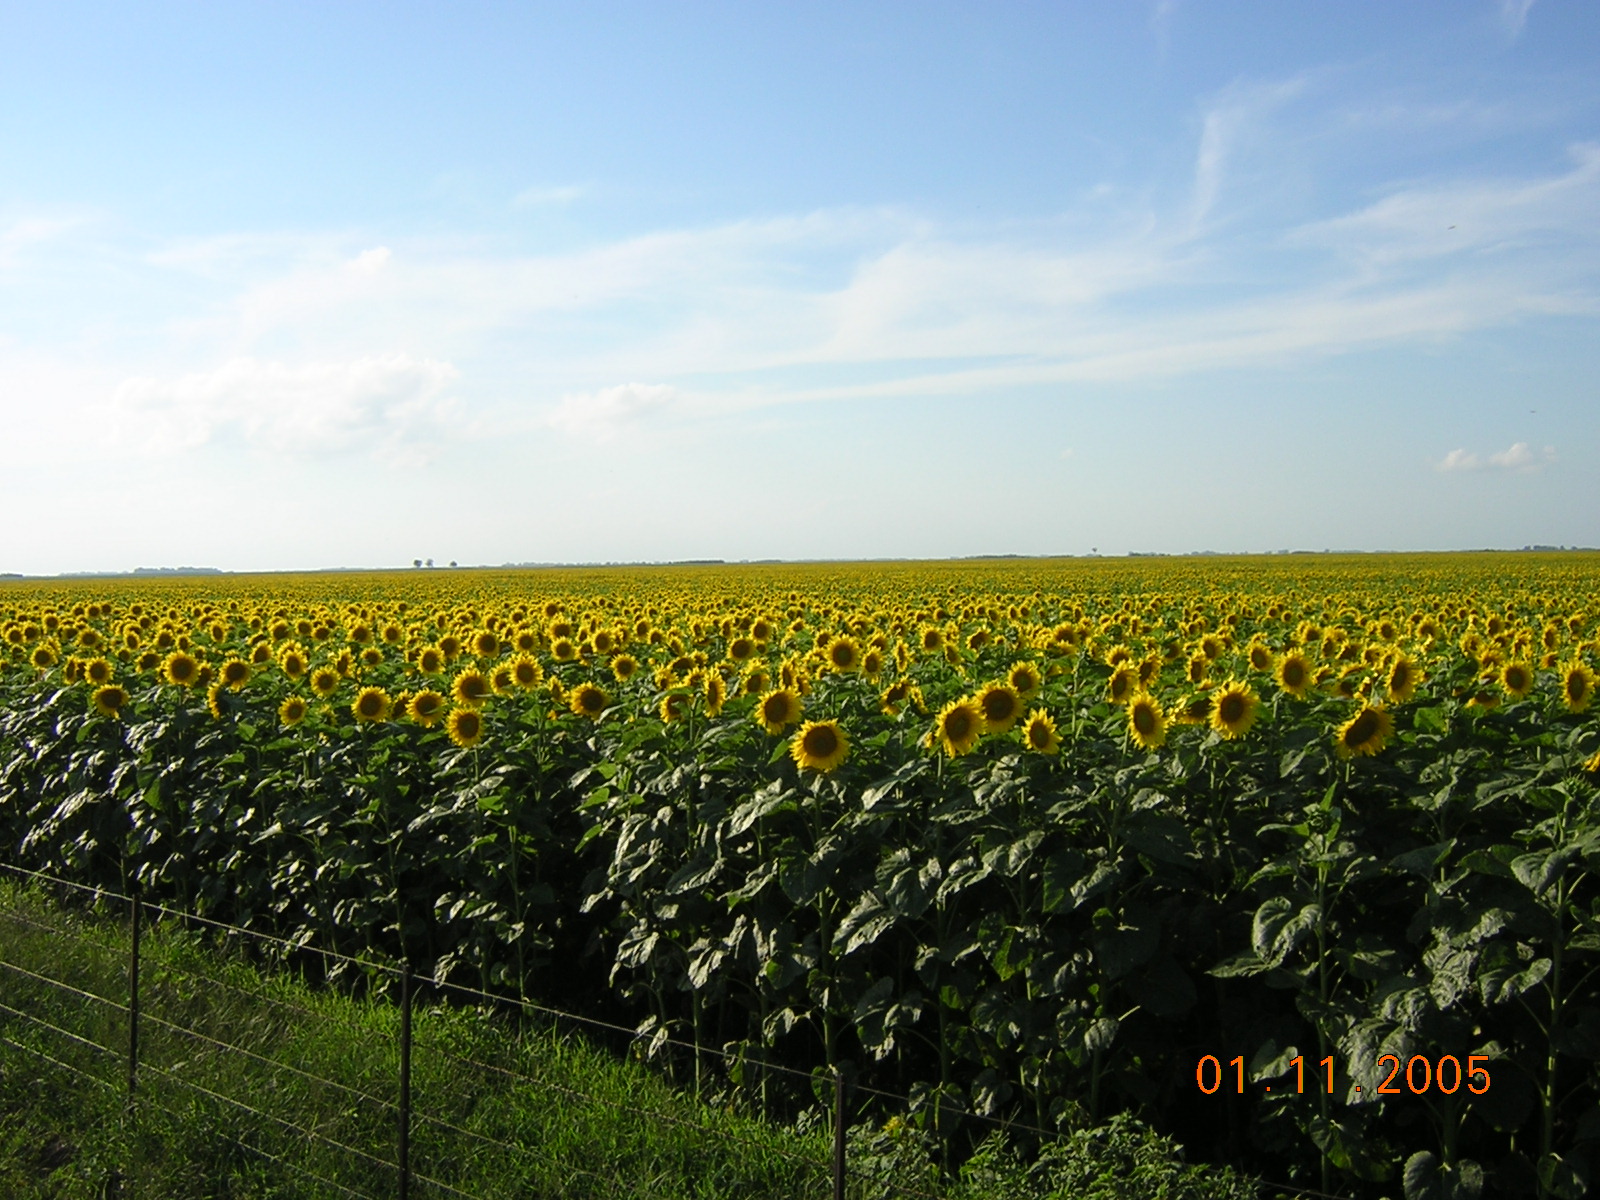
<point x="1001" y="706"/>
<point x="430" y="660"/>
<point x="180" y="669"/>
<point x="324" y="681"/>
<point x="471" y="687"/>
<point x="675" y="707"/>
<point x="1025" y="679"/>
<point x="1577" y="686"/>
<point x="958" y="727"/>
<point x="1039" y="733"/>
<point x="1517" y="679"/>
<point x="1295" y="675"/>
<point x="235" y="673"/>
<point x="465" y="726"/>
<point x="587" y="700"/>
<point x="97" y="671"/>
<point x="1233" y="709"/>
<point x="716" y="693"/>
<point x="1124" y="682"/>
<point x="1260" y="657"/>
<point x="110" y="700"/>
<point x="1365" y="733"/>
<point x="1147" y="723"/>
<point x="777" y="710"/>
<point x="292" y="660"/>
<point x="1404" y="676"/>
<point x="819" y="746"/>
<point x="292" y="711"/>
<point x="426" y="707"/>
<point x="371" y="704"/>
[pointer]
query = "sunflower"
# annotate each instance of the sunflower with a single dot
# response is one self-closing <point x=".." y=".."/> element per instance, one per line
<point x="1233" y="709"/>
<point x="292" y="660"/>
<point x="292" y="711"/>
<point x="587" y="700"/>
<point x="180" y="669"/>
<point x="214" y="702"/>
<point x="1294" y="674"/>
<point x="526" y="672"/>
<point x="1404" y="676"/>
<point x="675" y="707"/>
<point x="426" y="707"/>
<point x="958" y="727"/>
<point x="756" y="680"/>
<point x="235" y="673"/>
<point x="777" y="710"/>
<point x="872" y="664"/>
<point x="471" y="687"/>
<point x="1024" y="679"/>
<point x="324" y="681"/>
<point x="501" y="681"/>
<point x="430" y="660"/>
<point x="465" y="726"/>
<point x="97" y="671"/>
<point x="716" y="694"/>
<point x="371" y="704"/>
<point x="1364" y="733"/>
<point x="110" y="700"/>
<point x="1001" y="706"/>
<point x="1577" y="686"/>
<point x="741" y="649"/>
<point x="893" y="696"/>
<point x="1592" y="766"/>
<point x="843" y="654"/>
<point x="1260" y="655"/>
<point x="563" y="650"/>
<point x="1196" y="667"/>
<point x="1147" y="723"/>
<point x="1039" y="733"/>
<point x="819" y="746"/>
<point x="485" y="644"/>
<point x="1517" y="679"/>
<point x="1124" y="682"/>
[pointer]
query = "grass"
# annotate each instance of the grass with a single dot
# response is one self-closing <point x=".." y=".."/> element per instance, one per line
<point x="253" y="1084"/>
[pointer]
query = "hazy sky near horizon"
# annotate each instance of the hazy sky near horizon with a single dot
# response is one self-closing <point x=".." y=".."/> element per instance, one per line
<point x="309" y="285"/>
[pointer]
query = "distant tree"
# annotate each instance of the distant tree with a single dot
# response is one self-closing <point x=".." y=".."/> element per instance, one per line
<point x="416" y="562"/>
<point x="430" y="562"/>
<point x="452" y="562"/>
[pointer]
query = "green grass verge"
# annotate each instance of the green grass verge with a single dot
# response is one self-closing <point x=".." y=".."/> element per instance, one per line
<point x="497" y="1113"/>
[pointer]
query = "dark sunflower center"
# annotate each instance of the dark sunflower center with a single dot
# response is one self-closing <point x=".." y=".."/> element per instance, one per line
<point x="1144" y="720"/>
<point x="957" y="725"/>
<point x="1231" y="709"/>
<point x="1361" y="730"/>
<point x="821" y="742"/>
<point x="1293" y="674"/>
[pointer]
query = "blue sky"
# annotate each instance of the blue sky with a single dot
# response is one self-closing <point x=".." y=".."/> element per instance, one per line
<point x="308" y="285"/>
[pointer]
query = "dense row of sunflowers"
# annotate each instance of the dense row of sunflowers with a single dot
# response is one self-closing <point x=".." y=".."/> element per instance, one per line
<point x="1022" y="838"/>
<point x="1164" y="659"/>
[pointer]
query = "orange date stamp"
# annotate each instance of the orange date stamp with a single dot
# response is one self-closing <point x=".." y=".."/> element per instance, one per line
<point x="1419" y="1074"/>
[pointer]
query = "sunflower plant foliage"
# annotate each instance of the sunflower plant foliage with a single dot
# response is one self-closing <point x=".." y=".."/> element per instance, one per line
<point x="1020" y="840"/>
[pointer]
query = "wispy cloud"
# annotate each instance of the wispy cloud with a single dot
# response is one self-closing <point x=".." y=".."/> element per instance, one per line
<point x="609" y="413"/>
<point x="563" y="194"/>
<point x="1517" y="457"/>
<point x="391" y="408"/>
<point x="1514" y="14"/>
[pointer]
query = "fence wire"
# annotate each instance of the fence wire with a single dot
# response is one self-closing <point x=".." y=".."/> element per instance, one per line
<point x="523" y="1005"/>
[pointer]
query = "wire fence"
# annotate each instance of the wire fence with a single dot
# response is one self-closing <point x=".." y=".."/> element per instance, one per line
<point x="394" y="1159"/>
<point x="395" y="1162"/>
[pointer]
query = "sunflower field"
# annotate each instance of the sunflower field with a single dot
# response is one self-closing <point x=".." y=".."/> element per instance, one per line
<point x="1250" y="847"/>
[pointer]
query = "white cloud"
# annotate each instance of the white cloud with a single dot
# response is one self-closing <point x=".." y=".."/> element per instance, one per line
<point x="32" y="231"/>
<point x="609" y="413"/>
<point x="1519" y="456"/>
<point x="1514" y="13"/>
<point x="566" y="194"/>
<point x="390" y="407"/>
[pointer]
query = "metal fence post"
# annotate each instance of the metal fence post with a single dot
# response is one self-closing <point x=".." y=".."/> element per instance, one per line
<point x="838" y="1134"/>
<point x="133" y="996"/>
<point x="405" y="1082"/>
